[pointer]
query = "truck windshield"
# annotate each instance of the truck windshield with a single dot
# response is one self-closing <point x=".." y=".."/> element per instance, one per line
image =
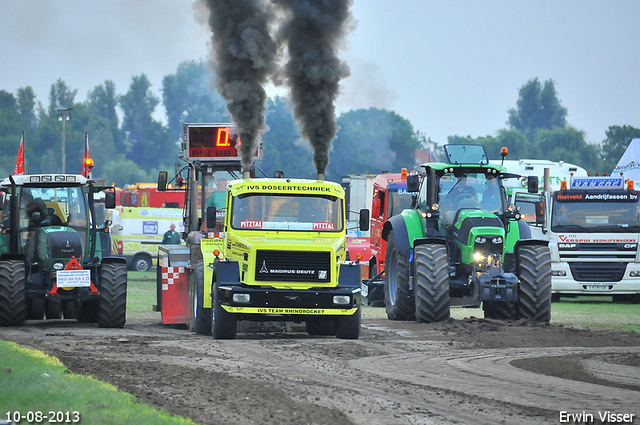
<point x="399" y="200"/>
<point x="309" y="213"/>
<point x="585" y="216"/>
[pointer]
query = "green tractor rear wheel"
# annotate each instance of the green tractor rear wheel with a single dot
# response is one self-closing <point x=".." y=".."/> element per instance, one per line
<point x="432" y="283"/>
<point x="113" y="295"/>
<point x="13" y="303"/>
<point x="397" y="296"/>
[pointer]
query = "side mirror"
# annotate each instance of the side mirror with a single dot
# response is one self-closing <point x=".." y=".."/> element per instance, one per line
<point x="532" y="184"/>
<point x="211" y="217"/>
<point x="375" y="207"/>
<point x="109" y="200"/>
<point x="364" y="219"/>
<point x="413" y="183"/>
<point x="162" y="181"/>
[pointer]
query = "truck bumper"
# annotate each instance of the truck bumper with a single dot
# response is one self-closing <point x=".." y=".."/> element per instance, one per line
<point x="289" y="303"/>
<point x="563" y="282"/>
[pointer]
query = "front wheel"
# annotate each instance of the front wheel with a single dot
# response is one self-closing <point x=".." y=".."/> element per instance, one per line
<point x="432" y="283"/>
<point x="397" y="296"/>
<point x="113" y="296"/>
<point x="13" y="303"/>
<point x="348" y="327"/>
<point x="141" y="263"/>
<point x="200" y="321"/>
<point x="224" y="325"/>
<point x="534" y="293"/>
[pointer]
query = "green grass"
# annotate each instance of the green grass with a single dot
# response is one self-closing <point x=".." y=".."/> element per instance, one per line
<point x="33" y="381"/>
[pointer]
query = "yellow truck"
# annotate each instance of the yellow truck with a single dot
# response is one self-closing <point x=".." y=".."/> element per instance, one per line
<point x="277" y="252"/>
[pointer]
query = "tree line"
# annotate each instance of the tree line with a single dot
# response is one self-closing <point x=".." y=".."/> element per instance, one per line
<point x="129" y="145"/>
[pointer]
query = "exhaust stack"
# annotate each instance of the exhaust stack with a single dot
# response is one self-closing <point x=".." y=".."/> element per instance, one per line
<point x="321" y="177"/>
<point x="246" y="175"/>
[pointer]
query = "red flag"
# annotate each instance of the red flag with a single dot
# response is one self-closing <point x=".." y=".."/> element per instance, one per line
<point x="20" y="162"/>
<point x="87" y="164"/>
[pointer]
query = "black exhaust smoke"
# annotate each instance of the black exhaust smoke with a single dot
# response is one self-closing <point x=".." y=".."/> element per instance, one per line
<point x="313" y="31"/>
<point x="243" y="57"/>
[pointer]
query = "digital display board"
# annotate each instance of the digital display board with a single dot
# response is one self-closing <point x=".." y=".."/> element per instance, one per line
<point x="214" y="142"/>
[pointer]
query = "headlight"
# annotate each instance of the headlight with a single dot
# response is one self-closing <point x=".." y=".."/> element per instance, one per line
<point x="481" y="239"/>
<point x="341" y="299"/>
<point x="241" y="298"/>
<point x="511" y="208"/>
<point x="58" y="266"/>
<point x="497" y="240"/>
<point x="478" y="257"/>
<point x="435" y="207"/>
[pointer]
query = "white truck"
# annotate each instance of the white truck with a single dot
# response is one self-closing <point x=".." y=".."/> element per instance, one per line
<point x="592" y="226"/>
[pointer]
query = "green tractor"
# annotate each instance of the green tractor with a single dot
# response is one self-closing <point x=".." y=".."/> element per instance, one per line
<point x="54" y="252"/>
<point x="461" y="245"/>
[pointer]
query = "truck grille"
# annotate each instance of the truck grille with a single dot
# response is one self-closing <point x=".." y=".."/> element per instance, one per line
<point x="293" y="266"/>
<point x="598" y="272"/>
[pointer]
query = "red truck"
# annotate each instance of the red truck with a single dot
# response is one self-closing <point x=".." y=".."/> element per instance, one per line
<point x="390" y="197"/>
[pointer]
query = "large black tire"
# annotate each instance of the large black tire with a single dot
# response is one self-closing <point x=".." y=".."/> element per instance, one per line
<point x="223" y="325"/>
<point x="87" y="312"/>
<point x="69" y="309"/>
<point x="398" y="299"/>
<point x="53" y="309"/>
<point x="200" y="320"/>
<point x="500" y="310"/>
<point x="534" y="293"/>
<point x="432" y="283"/>
<point x="348" y="327"/>
<point x="36" y="309"/>
<point x="318" y="326"/>
<point x="13" y="303"/>
<point x="113" y="295"/>
<point x="142" y="263"/>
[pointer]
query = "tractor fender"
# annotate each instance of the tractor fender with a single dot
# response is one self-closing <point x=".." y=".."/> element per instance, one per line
<point x="114" y="260"/>
<point x="407" y="227"/>
<point x="226" y="272"/>
<point x="524" y="230"/>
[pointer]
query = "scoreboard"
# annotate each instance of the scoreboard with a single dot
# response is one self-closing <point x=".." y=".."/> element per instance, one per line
<point x="215" y="142"/>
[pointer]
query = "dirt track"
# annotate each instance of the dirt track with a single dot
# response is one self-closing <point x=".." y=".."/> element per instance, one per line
<point x="472" y="371"/>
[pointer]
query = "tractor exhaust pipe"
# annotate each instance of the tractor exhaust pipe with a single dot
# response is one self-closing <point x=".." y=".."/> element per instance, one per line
<point x="246" y="175"/>
<point x="321" y="177"/>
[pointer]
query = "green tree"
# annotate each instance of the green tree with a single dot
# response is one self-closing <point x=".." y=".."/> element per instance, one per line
<point x="102" y="102"/>
<point x="10" y="132"/>
<point x="150" y="142"/>
<point x="60" y="96"/>
<point x="370" y="141"/>
<point x="617" y="141"/>
<point x="538" y="107"/>
<point x="188" y="96"/>
<point x="26" y="107"/>
<point x="569" y="145"/>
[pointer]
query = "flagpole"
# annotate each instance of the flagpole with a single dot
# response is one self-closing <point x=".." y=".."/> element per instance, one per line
<point x="26" y="169"/>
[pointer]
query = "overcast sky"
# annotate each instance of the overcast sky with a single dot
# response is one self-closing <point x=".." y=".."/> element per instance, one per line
<point x="450" y="67"/>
